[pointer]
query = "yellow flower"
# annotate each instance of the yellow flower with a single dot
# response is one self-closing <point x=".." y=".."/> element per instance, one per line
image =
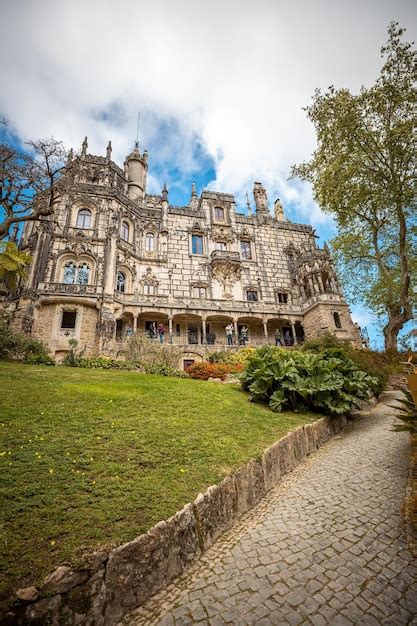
<point x="52" y="542"/>
<point x="51" y="471"/>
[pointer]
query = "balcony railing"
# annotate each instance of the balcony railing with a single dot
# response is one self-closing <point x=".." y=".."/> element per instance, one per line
<point x="61" y="288"/>
<point x="225" y="255"/>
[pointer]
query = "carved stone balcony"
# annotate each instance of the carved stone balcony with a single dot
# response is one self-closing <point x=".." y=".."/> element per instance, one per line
<point x="61" y="288"/>
<point x="224" y="256"/>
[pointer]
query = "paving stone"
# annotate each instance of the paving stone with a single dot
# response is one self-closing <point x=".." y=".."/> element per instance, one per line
<point x="324" y="547"/>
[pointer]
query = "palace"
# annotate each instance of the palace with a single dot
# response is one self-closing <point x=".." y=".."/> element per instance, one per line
<point x="114" y="260"/>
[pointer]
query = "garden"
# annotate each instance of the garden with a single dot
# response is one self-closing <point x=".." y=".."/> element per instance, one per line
<point x="94" y="454"/>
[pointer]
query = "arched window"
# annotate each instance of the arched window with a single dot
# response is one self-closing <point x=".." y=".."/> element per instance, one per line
<point x="83" y="274"/>
<point x="70" y="273"/>
<point x="149" y="242"/>
<point x="124" y="231"/>
<point x="84" y="218"/>
<point x="221" y="245"/>
<point x="120" y="282"/>
<point x="337" y="320"/>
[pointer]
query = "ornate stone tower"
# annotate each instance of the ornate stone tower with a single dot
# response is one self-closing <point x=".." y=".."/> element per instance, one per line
<point x="136" y="169"/>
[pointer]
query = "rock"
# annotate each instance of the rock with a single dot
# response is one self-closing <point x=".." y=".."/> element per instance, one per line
<point x="63" y="579"/>
<point x="28" y="594"/>
<point x="46" y="611"/>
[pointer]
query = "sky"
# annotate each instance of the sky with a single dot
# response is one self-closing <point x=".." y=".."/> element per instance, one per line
<point x="220" y="85"/>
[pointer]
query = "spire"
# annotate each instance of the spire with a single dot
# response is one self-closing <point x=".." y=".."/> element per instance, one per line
<point x="84" y="147"/>
<point x="70" y="157"/>
<point x="165" y="192"/>
<point x="278" y="210"/>
<point x="249" y="208"/>
<point x="108" y="151"/>
<point x="193" y="191"/>
<point x="194" y="200"/>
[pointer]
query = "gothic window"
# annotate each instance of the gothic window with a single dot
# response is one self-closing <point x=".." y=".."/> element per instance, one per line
<point x="197" y="244"/>
<point x="219" y="214"/>
<point x="149" y="242"/>
<point x="199" y="292"/>
<point x="281" y="297"/>
<point x="124" y="231"/>
<point x="245" y="249"/>
<point x="149" y="289"/>
<point x="221" y="245"/>
<point x="121" y="282"/>
<point x="68" y="319"/>
<point x="337" y="320"/>
<point x="251" y="295"/>
<point x="83" y="274"/>
<point x="70" y="273"/>
<point x="84" y="218"/>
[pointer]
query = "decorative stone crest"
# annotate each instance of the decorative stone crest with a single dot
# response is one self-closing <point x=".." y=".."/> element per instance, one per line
<point x="227" y="273"/>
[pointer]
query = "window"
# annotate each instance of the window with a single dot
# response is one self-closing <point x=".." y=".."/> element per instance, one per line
<point x="337" y="320"/>
<point x="70" y="273"/>
<point x="188" y="363"/>
<point x="120" y="282"/>
<point x="84" y="218"/>
<point x="221" y="245"/>
<point x="76" y="274"/>
<point x="199" y="292"/>
<point x="282" y="298"/>
<point x="124" y="231"/>
<point x="197" y="244"/>
<point x="252" y="296"/>
<point x="83" y="274"/>
<point x="150" y="242"/>
<point x="68" y="319"/>
<point x="219" y="214"/>
<point x="149" y="289"/>
<point x="245" y="249"/>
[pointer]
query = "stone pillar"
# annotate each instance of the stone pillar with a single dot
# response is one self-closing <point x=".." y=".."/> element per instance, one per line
<point x="311" y="285"/>
<point x="204" y="331"/>
<point x="170" y="329"/>
<point x="135" y="323"/>
<point x="293" y="333"/>
<point x="110" y="270"/>
<point x="266" y="331"/>
<point x="320" y="283"/>
<point x="236" y="331"/>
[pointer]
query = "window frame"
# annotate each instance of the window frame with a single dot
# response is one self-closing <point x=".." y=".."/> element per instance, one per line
<point x="149" y="289"/>
<point x="252" y="299"/>
<point x="66" y="312"/>
<point x="221" y="246"/>
<point x="149" y="236"/>
<point x="119" y="283"/>
<point x="197" y="237"/>
<point x="248" y="243"/>
<point x="84" y="212"/>
<point x="125" y="226"/>
<point x="282" y="297"/>
<point x="337" y="320"/>
<point x="223" y="214"/>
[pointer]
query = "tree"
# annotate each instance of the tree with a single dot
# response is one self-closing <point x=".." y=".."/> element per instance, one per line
<point x="13" y="264"/>
<point x="363" y="172"/>
<point x="30" y="181"/>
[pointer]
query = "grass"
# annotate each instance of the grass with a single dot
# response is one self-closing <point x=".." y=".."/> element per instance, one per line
<point x="93" y="458"/>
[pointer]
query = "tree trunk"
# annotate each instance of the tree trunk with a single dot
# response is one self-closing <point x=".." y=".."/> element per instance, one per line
<point x="397" y="317"/>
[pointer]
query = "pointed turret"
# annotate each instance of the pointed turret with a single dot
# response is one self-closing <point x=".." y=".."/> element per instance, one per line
<point x="84" y="147"/>
<point x="278" y="210"/>
<point x="108" y="151"/>
<point x="261" y="199"/>
<point x="136" y="169"/>
<point x="194" y="198"/>
<point x="248" y="206"/>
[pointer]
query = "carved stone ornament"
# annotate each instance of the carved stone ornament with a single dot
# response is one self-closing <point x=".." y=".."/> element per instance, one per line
<point x="222" y="232"/>
<point x="227" y="274"/>
<point x="149" y="278"/>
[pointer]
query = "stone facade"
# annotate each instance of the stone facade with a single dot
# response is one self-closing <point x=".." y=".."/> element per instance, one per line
<point x="114" y="260"/>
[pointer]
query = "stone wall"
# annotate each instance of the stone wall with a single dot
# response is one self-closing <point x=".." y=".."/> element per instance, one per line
<point x="109" y="585"/>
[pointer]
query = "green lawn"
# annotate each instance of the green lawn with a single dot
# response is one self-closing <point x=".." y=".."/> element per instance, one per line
<point x="94" y="457"/>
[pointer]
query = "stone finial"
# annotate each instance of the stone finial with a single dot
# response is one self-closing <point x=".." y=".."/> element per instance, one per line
<point x="278" y="210"/>
<point x="108" y="151"/>
<point x="248" y="206"/>
<point x="84" y="147"/>
<point x="261" y="199"/>
<point x="165" y="192"/>
<point x="145" y="156"/>
<point x="193" y="191"/>
<point x="194" y="200"/>
<point x="70" y="157"/>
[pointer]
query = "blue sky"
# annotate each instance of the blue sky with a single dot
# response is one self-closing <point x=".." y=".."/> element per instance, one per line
<point x="220" y="85"/>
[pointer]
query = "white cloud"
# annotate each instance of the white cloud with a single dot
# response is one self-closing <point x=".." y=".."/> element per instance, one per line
<point x="233" y="73"/>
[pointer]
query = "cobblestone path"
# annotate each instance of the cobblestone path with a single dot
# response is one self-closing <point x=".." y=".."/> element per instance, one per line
<point x="324" y="547"/>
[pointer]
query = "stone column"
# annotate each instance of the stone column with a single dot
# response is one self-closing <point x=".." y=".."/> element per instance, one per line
<point x="320" y="283"/>
<point x="170" y="329"/>
<point x="135" y="323"/>
<point x="265" y="324"/>
<point x="204" y="331"/>
<point x="293" y="333"/>
<point x="110" y="269"/>
<point x="311" y="285"/>
<point x="236" y="331"/>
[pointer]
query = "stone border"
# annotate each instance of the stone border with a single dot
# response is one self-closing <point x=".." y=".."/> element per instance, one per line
<point x="410" y="504"/>
<point x="110" y="584"/>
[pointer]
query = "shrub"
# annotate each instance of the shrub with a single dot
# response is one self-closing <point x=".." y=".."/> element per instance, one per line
<point x="304" y="381"/>
<point x="240" y="356"/>
<point x="74" y="356"/>
<point x="164" y="370"/>
<point x="406" y="411"/>
<point x="206" y="370"/>
<point x="148" y="352"/>
<point x="103" y="362"/>
<point x="19" y="347"/>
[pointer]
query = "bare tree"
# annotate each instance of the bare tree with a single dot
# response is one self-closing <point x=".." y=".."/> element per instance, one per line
<point x="30" y="181"/>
